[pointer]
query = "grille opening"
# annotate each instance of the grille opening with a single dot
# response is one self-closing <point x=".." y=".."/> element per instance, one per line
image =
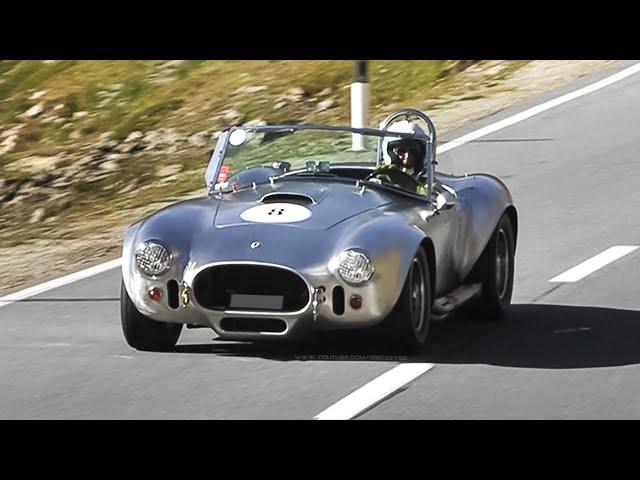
<point x="338" y="300"/>
<point x="172" y="294"/>
<point x="271" y="325"/>
<point x="214" y="287"/>
<point x="287" y="198"/>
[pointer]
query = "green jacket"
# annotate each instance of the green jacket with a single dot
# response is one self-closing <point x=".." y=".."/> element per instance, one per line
<point x="402" y="177"/>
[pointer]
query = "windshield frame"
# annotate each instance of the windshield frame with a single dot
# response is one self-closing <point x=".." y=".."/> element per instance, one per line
<point x="217" y="159"/>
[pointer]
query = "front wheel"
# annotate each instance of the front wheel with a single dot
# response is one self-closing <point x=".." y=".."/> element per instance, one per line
<point x="143" y="333"/>
<point x="409" y="322"/>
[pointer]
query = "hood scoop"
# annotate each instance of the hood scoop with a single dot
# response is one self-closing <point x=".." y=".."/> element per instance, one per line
<point x="286" y="197"/>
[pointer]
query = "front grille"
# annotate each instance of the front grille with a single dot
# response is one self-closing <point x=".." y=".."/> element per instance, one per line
<point x="242" y="287"/>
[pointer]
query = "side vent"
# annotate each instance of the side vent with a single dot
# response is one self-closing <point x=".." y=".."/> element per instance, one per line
<point x="338" y="300"/>
<point x="172" y="293"/>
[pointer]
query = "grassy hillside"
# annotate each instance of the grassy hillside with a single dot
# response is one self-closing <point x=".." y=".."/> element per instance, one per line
<point x="64" y="161"/>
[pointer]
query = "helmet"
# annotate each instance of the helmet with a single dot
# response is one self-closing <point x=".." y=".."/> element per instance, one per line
<point x="389" y="144"/>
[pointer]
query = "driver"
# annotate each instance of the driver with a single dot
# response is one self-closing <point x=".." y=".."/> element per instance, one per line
<point x="404" y="160"/>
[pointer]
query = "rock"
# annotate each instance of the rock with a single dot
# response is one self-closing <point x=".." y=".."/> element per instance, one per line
<point x="200" y="139"/>
<point x="129" y="147"/>
<point x="106" y="144"/>
<point x="297" y="92"/>
<point x="172" y="64"/>
<point x="75" y="135"/>
<point x="110" y="166"/>
<point x="78" y="115"/>
<point x="169" y="170"/>
<point x="43" y="179"/>
<point x="37" y="216"/>
<point x="170" y="136"/>
<point x="58" y="107"/>
<point x="326" y="104"/>
<point x="37" y="95"/>
<point x="258" y="122"/>
<point x="134" y="137"/>
<point x="127" y="189"/>
<point x="57" y="121"/>
<point x="234" y="117"/>
<point x="325" y="92"/>
<point x="8" y="144"/>
<point x="63" y="182"/>
<point x="35" y="164"/>
<point x="249" y="90"/>
<point x="12" y="131"/>
<point x="33" y="111"/>
<point x="116" y="87"/>
<point x="280" y="105"/>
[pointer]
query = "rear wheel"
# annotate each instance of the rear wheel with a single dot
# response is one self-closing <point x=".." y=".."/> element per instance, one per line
<point x="495" y="270"/>
<point x="143" y="333"/>
<point x="408" y="324"/>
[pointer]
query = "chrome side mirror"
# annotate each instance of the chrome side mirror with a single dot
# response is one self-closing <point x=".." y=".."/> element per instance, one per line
<point x="445" y="201"/>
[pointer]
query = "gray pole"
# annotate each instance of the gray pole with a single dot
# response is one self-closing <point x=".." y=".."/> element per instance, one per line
<point x="360" y="100"/>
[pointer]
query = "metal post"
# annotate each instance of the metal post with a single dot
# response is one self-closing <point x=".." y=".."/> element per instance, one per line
<point x="360" y="101"/>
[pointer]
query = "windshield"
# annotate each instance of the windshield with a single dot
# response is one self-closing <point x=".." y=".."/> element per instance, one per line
<point x="256" y="154"/>
<point x="262" y="148"/>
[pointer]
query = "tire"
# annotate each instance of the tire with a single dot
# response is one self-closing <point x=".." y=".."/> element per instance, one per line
<point x="409" y="322"/>
<point x="143" y="333"/>
<point x="496" y="271"/>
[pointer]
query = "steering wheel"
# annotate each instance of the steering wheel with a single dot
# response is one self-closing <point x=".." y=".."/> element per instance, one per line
<point x="393" y="172"/>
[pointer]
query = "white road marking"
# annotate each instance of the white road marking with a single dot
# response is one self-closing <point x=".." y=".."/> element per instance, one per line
<point x="458" y="142"/>
<point x="594" y="263"/>
<point x="543" y="107"/>
<point x="59" y="282"/>
<point x="374" y="392"/>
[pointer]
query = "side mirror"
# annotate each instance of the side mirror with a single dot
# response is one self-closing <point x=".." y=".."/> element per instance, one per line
<point x="445" y="201"/>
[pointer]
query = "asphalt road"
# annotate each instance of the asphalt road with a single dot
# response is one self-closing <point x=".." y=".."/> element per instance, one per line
<point x="566" y="350"/>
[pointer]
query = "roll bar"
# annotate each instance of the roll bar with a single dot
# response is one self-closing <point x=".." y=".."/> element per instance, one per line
<point x="430" y="153"/>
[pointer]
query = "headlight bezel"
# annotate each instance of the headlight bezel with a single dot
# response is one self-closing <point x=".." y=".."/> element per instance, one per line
<point x="341" y="258"/>
<point x="153" y="243"/>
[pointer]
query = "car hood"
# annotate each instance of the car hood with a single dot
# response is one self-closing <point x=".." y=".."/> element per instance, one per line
<point x="296" y="204"/>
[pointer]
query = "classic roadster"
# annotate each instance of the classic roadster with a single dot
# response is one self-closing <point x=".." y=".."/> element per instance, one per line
<point x="332" y="228"/>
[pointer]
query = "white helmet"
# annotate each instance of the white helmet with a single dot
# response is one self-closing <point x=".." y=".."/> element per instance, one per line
<point x="388" y="143"/>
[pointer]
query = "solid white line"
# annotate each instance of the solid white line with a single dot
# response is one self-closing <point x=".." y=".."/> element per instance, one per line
<point x="543" y="107"/>
<point x="59" y="282"/>
<point x="594" y="263"/>
<point x="374" y="392"/>
<point x="458" y="142"/>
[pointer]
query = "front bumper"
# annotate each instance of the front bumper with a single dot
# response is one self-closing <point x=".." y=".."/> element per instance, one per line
<point x="320" y="314"/>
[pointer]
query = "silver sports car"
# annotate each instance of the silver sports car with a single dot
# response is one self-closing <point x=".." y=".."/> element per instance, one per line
<point x="308" y="228"/>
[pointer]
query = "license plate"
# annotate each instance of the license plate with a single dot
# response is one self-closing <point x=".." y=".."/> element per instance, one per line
<point x="256" y="302"/>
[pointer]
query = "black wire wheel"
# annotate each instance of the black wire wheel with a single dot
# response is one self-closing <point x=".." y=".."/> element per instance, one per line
<point x="409" y="322"/>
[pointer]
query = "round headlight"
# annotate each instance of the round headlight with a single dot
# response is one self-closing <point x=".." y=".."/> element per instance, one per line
<point x="152" y="258"/>
<point x="354" y="267"/>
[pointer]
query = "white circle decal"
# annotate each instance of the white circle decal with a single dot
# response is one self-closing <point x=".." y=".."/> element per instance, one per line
<point x="276" y="213"/>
